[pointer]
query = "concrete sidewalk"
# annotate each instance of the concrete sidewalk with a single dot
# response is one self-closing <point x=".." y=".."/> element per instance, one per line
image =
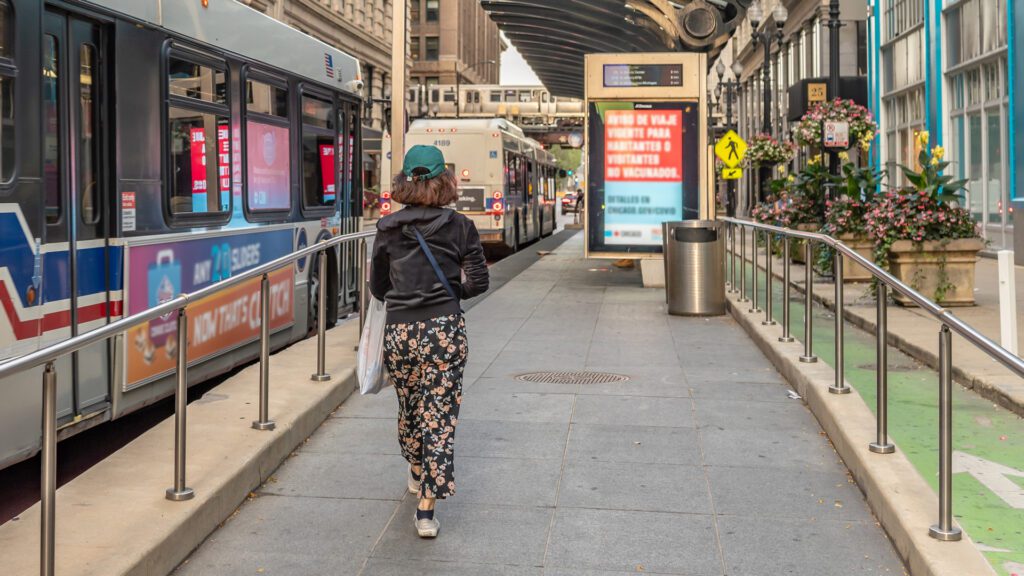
<point x="699" y="464"/>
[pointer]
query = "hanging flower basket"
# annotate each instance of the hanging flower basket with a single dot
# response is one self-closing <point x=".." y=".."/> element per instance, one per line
<point x="767" y="151"/>
<point x="807" y="132"/>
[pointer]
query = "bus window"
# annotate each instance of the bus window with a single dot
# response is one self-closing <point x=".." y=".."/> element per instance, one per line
<point x="88" y="144"/>
<point x="51" y="131"/>
<point x="199" y="181"/>
<point x="6" y="93"/>
<point x="319" y="164"/>
<point x="267" y="148"/>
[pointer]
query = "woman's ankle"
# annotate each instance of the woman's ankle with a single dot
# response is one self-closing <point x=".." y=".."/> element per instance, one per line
<point x="426" y="504"/>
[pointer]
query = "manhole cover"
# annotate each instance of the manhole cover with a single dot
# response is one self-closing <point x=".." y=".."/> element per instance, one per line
<point x="572" y="377"/>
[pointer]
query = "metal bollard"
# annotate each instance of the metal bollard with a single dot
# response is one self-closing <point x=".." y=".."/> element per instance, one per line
<point x="839" y="387"/>
<point x="768" y="319"/>
<point x="181" y="492"/>
<point x="753" y="265"/>
<point x="945" y="530"/>
<point x="264" y="422"/>
<point x="321" y="326"/>
<point x="48" y="483"/>
<point x="808" y="356"/>
<point x="743" y="264"/>
<point x="786" y="337"/>
<point x="881" y="445"/>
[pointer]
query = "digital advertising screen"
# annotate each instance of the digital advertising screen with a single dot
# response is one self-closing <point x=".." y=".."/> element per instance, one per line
<point x="643" y="171"/>
<point x="642" y="75"/>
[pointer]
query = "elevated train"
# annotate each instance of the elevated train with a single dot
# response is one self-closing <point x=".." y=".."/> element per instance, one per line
<point x="150" y="148"/>
<point x="526" y="106"/>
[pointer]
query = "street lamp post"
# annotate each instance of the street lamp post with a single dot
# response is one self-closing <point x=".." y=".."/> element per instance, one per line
<point x="458" y="84"/>
<point x="833" y="79"/>
<point x="731" y="87"/>
<point x="765" y="37"/>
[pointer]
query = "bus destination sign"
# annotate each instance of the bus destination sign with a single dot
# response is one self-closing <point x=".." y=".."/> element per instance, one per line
<point x="642" y="75"/>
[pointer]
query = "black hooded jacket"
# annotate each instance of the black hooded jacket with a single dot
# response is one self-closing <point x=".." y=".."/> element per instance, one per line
<point x="401" y="275"/>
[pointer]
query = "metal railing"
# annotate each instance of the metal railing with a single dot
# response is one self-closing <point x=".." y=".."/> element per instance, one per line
<point x="886" y="282"/>
<point x="180" y="491"/>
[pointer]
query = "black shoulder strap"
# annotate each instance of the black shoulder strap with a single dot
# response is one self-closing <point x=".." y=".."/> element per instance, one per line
<point x="434" y="265"/>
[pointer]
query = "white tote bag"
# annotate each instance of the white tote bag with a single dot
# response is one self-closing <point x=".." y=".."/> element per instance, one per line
<point x="370" y="365"/>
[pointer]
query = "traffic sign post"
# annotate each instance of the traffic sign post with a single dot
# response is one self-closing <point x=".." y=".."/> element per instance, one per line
<point x="835" y="135"/>
<point x="730" y="149"/>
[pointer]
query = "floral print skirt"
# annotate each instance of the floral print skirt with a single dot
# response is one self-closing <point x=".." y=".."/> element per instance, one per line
<point x="426" y="361"/>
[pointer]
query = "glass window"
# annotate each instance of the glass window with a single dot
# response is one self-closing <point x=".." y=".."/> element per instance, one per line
<point x="319" y="169"/>
<point x="52" y="153"/>
<point x="192" y="80"/>
<point x="200" y="162"/>
<point x="414" y="9"/>
<point x="495" y="96"/>
<point x="414" y="48"/>
<point x="975" y="183"/>
<point x="953" y="36"/>
<point x="433" y="49"/>
<point x="433" y="10"/>
<point x="88" y="142"/>
<point x="266" y="99"/>
<point x="449" y="96"/>
<point x="317" y="112"/>
<point x="6" y="24"/>
<point x="6" y="96"/>
<point x="994" y="183"/>
<point x="268" y="166"/>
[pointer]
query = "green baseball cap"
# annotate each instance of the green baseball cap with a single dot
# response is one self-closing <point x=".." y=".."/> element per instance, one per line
<point x="428" y="158"/>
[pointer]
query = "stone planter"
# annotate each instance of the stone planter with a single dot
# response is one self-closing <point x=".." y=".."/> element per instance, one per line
<point x="796" y="245"/>
<point x="853" y="272"/>
<point x="942" y="270"/>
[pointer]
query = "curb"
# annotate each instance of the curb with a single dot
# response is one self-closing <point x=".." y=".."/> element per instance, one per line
<point x="114" y="519"/>
<point x="903" y="502"/>
<point x="980" y="385"/>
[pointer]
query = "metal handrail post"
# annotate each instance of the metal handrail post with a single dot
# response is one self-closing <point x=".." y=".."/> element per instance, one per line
<point x="180" y="491"/>
<point x="264" y="422"/>
<point x="808" y="356"/>
<point x="839" y="387"/>
<point x="768" y="319"/>
<point x="732" y="258"/>
<point x="48" y="484"/>
<point x="881" y="445"/>
<point x="743" y="264"/>
<point x="321" y="324"/>
<point x="786" y="337"/>
<point x="945" y="530"/>
<point x="753" y="265"/>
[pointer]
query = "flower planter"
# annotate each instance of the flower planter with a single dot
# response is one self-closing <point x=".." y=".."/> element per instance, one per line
<point x="942" y="270"/>
<point x="796" y="245"/>
<point x="853" y="272"/>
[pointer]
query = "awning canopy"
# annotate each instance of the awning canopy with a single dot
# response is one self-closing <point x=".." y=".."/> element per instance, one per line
<point x="553" y="35"/>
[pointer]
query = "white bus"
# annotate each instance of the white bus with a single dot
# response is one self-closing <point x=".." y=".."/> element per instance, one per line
<point x="506" y="180"/>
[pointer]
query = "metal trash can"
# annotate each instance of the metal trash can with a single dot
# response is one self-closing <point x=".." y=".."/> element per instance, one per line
<point x="694" y="267"/>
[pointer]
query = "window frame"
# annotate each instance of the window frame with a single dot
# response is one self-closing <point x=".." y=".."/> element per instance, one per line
<point x="173" y="49"/>
<point x="9" y="71"/>
<point x="312" y="212"/>
<point x="258" y="75"/>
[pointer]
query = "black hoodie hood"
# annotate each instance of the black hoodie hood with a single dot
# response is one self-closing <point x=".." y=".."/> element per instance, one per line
<point x="428" y="219"/>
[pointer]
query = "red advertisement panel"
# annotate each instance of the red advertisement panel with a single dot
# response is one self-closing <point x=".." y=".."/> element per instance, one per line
<point x="327" y="169"/>
<point x="268" y="167"/>
<point x="643" y="145"/>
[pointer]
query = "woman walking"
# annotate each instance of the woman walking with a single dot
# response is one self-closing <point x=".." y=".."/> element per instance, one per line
<point x="420" y="256"/>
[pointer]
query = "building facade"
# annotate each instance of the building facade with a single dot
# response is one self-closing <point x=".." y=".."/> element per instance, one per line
<point x="361" y="28"/>
<point x="945" y="66"/>
<point x="453" y="42"/>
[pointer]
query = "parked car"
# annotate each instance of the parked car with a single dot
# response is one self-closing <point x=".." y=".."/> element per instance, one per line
<point x="568" y="203"/>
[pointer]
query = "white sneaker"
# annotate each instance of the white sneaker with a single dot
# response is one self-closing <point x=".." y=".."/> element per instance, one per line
<point x="414" y="485"/>
<point x="427" y="527"/>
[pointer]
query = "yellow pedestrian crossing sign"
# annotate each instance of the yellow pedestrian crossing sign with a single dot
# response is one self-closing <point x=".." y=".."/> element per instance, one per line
<point x="732" y="173"/>
<point x="730" y="149"/>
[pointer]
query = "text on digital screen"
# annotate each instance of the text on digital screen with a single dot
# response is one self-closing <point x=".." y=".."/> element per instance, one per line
<point x="641" y="75"/>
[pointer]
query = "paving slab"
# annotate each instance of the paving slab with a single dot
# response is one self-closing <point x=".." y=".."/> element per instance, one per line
<point x="590" y="480"/>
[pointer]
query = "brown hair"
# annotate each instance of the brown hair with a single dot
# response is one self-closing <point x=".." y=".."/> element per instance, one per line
<point x="439" y="191"/>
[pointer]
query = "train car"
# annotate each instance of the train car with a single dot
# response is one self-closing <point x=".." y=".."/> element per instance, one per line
<point x="148" y="149"/>
<point x="506" y="180"/>
<point x="531" y="106"/>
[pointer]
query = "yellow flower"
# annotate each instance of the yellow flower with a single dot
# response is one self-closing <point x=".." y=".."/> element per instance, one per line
<point x="938" y="152"/>
<point x="790" y="179"/>
<point x="935" y="161"/>
<point x="922" y="138"/>
<point x="844" y="156"/>
<point x="814" y="160"/>
<point x="782" y="169"/>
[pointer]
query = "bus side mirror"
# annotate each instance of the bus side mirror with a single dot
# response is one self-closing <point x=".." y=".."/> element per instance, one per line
<point x="562" y="173"/>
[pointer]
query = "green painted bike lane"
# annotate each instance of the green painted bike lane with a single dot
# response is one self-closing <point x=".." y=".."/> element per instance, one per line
<point x="988" y="441"/>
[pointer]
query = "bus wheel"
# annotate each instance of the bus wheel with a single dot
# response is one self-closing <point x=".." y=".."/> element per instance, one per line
<point x="313" y="299"/>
